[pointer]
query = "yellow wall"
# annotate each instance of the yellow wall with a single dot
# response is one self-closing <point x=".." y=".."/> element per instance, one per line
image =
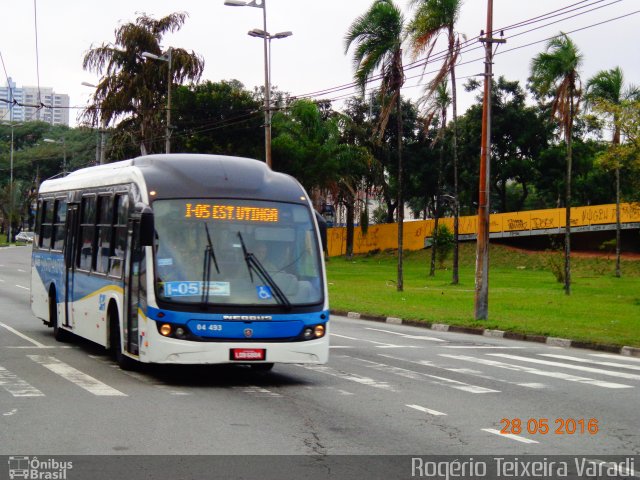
<point x="385" y="236"/>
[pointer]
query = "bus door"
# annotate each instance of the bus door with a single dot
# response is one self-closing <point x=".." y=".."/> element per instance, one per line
<point x="70" y="240"/>
<point x="135" y="294"/>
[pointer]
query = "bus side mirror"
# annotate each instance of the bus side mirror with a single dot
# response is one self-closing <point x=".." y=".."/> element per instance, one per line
<point x="322" y="225"/>
<point x="147" y="229"/>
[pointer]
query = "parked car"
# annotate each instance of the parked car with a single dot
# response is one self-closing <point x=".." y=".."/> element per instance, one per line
<point x="26" y="237"/>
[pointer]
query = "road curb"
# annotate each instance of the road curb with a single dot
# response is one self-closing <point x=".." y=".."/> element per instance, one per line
<point x="487" y="332"/>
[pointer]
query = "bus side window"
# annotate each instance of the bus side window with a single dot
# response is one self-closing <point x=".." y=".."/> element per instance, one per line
<point x="87" y="233"/>
<point x="47" y="224"/>
<point x="119" y="243"/>
<point x="40" y="213"/>
<point x="105" y="218"/>
<point x="59" y="220"/>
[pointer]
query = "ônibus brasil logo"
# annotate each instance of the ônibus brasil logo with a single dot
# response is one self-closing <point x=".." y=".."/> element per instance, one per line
<point x="32" y="468"/>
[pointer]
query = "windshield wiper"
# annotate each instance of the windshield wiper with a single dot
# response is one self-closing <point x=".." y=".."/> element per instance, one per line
<point x="253" y="264"/>
<point x="209" y="254"/>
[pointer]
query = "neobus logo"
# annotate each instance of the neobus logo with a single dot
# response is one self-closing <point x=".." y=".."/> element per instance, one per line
<point x="247" y="317"/>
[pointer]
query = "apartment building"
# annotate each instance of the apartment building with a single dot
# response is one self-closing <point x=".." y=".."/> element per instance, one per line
<point x="25" y="104"/>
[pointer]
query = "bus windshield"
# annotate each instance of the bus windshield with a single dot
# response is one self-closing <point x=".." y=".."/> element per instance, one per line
<point x="236" y="252"/>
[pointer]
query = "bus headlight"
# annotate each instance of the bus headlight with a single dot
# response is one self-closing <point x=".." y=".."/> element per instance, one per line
<point x="165" y="329"/>
<point x="313" y="331"/>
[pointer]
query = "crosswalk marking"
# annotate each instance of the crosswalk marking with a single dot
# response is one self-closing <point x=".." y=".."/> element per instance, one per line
<point x="535" y="371"/>
<point x="404" y="335"/>
<point x="466" y="371"/>
<point x="413" y="375"/>
<point x="349" y="376"/>
<point x="629" y="376"/>
<point x="509" y="435"/>
<point x="595" y="362"/>
<point x="616" y="357"/>
<point x="426" y="410"/>
<point x="77" y="377"/>
<point x="16" y="386"/>
<point x="377" y="344"/>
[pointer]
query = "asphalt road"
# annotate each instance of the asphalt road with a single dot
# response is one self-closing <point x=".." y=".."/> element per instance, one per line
<point x="387" y="390"/>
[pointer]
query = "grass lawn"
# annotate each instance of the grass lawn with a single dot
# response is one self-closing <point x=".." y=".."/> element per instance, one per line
<point x="524" y="295"/>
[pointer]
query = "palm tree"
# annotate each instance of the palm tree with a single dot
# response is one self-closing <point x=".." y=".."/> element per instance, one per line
<point x="554" y="73"/>
<point x="132" y="89"/>
<point x="438" y="105"/>
<point x="432" y="18"/>
<point x="608" y="86"/>
<point x="377" y="36"/>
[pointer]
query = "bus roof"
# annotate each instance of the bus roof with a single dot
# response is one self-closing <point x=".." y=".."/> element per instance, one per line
<point x="187" y="176"/>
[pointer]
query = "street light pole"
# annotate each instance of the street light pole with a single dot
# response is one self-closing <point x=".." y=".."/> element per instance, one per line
<point x="11" y="187"/>
<point x="267" y="84"/>
<point x="102" y="143"/>
<point x="268" y="110"/>
<point x="165" y="58"/>
<point x="64" y="152"/>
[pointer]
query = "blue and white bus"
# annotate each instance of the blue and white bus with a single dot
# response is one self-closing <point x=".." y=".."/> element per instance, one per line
<point x="183" y="259"/>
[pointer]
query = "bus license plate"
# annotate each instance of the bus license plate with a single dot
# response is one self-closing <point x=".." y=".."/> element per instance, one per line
<point x="248" y="354"/>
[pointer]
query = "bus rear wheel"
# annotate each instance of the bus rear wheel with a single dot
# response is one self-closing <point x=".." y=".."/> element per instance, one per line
<point x="125" y="363"/>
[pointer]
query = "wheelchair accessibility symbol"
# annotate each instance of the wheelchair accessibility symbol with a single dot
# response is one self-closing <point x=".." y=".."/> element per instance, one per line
<point x="264" y="292"/>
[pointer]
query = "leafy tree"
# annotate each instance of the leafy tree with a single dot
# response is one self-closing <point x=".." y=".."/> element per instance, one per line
<point x="377" y="36"/>
<point x="311" y="148"/>
<point x="132" y="91"/>
<point x="554" y="73"/>
<point x="432" y="18"/>
<point x="608" y="86"/>
<point x="221" y="118"/>
<point x="437" y="106"/>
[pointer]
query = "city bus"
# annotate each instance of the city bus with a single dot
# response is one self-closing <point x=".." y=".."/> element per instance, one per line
<point x="183" y="259"/>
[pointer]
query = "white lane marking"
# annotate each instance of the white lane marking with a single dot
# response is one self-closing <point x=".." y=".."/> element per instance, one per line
<point x="622" y="358"/>
<point x="425" y="410"/>
<point x="629" y="376"/>
<point x="77" y="377"/>
<point x="341" y="346"/>
<point x="595" y="362"/>
<point x="404" y="335"/>
<point x="23" y="271"/>
<point x="142" y="378"/>
<point x="339" y="390"/>
<point x="486" y="347"/>
<point x="20" y="286"/>
<point x="465" y="371"/>
<point x="509" y="435"/>
<point x="370" y="382"/>
<point x="1" y="280"/>
<point x="413" y="375"/>
<point x="22" y="335"/>
<point x="8" y="414"/>
<point x="344" y="336"/>
<point x="257" y="391"/>
<point x="378" y="344"/>
<point x="535" y="371"/>
<point x="44" y="346"/>
<point x="16" y="386"/>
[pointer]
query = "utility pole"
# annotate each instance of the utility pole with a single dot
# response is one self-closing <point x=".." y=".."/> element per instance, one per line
<point x="482" y="244"/>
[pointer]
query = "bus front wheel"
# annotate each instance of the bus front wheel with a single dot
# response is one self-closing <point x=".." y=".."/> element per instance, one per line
<point x="59" y="334"/>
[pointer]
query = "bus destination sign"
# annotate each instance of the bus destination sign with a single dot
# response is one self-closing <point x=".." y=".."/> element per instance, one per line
<point x="239" y="213"/>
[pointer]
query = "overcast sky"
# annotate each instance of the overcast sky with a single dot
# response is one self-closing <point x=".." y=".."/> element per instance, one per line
<point x="313" y="58"/>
